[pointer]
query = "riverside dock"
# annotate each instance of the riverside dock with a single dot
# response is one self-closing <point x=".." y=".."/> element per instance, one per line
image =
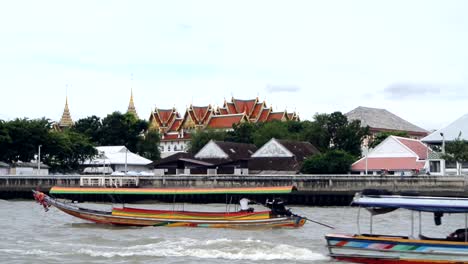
<point x="317" y="190"/>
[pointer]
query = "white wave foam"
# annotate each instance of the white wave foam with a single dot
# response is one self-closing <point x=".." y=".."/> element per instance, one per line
<point x="220" y="248"/>
<point x="37" y="252"/>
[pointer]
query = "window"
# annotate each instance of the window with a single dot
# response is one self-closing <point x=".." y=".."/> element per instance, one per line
<point x="450" y="164"/>
<point x="434" y="166"/>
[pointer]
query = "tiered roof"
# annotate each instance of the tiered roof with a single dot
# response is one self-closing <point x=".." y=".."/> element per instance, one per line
<point x="66" y="120"/>
<point x="131" y="105"/>
<point x="172" y="126"/>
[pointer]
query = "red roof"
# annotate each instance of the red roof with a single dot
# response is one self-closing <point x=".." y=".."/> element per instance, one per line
<point x="257" y="110"/>
<point x="225" y="121"/>
<point x="264" y="115"/>
<point x="175" y="125"/>
<point x="416" y="146"/>
<point x="200" y="113"/>
<point x="166" y="115"/>
<point x="244" y="106"/>
<point x="223" y="111"/>
<point x="275" y="116"/>
<point x="390" y="164"/>
<point x="231" y="108"/>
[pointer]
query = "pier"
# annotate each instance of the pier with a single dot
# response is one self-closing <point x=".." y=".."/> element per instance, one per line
<point x="312" y="189"/>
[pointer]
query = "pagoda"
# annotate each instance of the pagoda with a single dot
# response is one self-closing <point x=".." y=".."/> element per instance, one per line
<point x="131" y="106"/>
<point x="66" y="120"/>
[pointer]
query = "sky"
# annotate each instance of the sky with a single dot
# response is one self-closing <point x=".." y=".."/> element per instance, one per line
<point x="409" y="57"/>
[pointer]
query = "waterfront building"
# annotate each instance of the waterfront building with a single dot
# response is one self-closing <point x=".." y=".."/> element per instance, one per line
<point x="456" y="130"/>
<point x="175" y="129"/>
<point x="395" y="156"/>
<point x="4" y="168"/>
<point x="381" y="120"/>
<point x="116" y="159"/>
<point x="281" y="157"/>
<point x="131" y="106"/>
<point x="28" y="169"/>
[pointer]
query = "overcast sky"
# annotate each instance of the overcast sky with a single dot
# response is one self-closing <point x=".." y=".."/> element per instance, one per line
<point x="409" y="57"/>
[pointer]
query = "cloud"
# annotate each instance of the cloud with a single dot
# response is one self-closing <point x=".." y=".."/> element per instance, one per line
<point x="406" y="90"/>
<point x="270" y="88"/>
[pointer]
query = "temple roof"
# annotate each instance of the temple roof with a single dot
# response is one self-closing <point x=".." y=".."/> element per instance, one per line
<point x="225" y="121"/>
<point x="131" y="105"/>
<point x="66" y="120"/>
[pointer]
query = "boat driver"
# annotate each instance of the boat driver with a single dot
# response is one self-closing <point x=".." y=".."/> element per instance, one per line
<point x="244" y="205"/>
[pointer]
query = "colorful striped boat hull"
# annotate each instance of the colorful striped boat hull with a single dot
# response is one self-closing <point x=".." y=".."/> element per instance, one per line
<point x="144" y="217"/>
<point x="388" y="249"/>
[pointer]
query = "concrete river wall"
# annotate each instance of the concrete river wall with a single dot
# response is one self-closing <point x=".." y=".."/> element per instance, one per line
<point x="312" y="189"/>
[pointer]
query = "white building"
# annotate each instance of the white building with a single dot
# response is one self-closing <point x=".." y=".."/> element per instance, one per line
<point x="439" y="166"/>
<point x="116" y="159"/>
<point x="4" y="168"/>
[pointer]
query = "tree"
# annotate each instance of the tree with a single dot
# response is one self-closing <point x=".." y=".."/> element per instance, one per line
<point x="148" y="146"/>
<point x="90" y="126"/>
<point x="21" y="137"/>
<point x="122" y="129"/>
<point x="336" y="133"/>
<point x="201" y="137"/>
<point x="381" y="136"/>
<point x="65" y="151"/>
<point x="330" y="162"/>
<point x="269" y="130"/>
<point x="241" y="133"/>
<point x="456" y="151"/>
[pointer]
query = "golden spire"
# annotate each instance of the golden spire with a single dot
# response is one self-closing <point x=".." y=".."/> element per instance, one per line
<point x="131" y="106"/>
<point x="66" y="120"/>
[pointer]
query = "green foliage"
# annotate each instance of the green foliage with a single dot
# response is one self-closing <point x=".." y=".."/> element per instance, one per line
<point x="122" y="129"/>
<point x="241" y="133"/>
<point x="20" y="138"/>
<point x="90" y="127"/>
<point x="201" y="137"/>
<point x="381" y="136"/>
<point x="148" y="146"/>
<point x="330" y="162"/>
<point x="333" y="131"/>
<point x="66" y="150"/>
<point x="269" y="130"/>
<point x="456" y="151"/>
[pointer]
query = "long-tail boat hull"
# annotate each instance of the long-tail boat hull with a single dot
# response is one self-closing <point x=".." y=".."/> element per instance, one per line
<point x="144" y="217"/>
<point x="387" y="250"/>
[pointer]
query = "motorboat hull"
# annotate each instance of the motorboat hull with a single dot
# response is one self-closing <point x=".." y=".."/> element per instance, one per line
<point x="392" y="249"/>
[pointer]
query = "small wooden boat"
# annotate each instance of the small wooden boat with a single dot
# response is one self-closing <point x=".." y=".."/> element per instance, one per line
<point x="411" y="249"/>
<point x="277" y="216"/>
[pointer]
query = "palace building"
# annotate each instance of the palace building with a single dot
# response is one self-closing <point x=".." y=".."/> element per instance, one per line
<point x="175" y="129"/>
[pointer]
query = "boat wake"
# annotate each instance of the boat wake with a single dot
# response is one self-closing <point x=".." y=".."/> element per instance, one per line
<point x="219" y="248"/>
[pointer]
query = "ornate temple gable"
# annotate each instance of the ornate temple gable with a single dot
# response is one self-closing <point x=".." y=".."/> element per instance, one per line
<point x="200" y="114"/>
<point x="187" y="121"/>
<point x="293" y="116"/>
<point x="131" y="106"/>
<point x="163" y="119"/>
<point x="263" y="117"/>
<point x="175" y="126"/>
<point x="226" y="121"/>
<point x="230" y="107"/>
<point x="211" y="151"/>
<point x="245" y="106"/>
<point x="222" y="111"/>
<point x="280" y="116"/>
<point x="65" y="120"/>
<point x="257" y="110"/>
<point x="272" y="149"/>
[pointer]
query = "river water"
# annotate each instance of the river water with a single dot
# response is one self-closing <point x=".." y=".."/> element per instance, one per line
<point x="31" y="235"/>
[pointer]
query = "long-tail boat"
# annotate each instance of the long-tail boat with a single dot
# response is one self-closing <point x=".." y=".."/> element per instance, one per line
<point x="277" y="216"/>
<point x="411" y="249"/>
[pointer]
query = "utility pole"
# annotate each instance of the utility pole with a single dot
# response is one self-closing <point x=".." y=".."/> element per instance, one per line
<point x="39" y="160"/>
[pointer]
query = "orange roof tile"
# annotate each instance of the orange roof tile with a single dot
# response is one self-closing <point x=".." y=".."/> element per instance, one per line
<point x="175" y="125"/>
<point x="264" y="115"/>
<point x="225" y="121"/>
<point x="275" y="116"/>
<point x="256" y="111"/>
